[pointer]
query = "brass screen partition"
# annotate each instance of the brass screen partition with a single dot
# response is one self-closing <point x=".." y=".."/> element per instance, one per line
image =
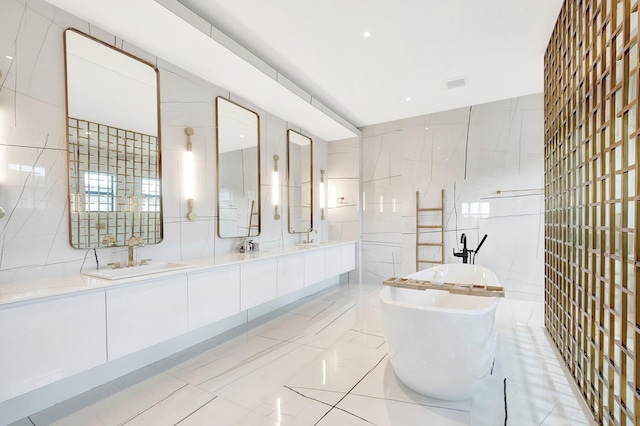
<point x="591" y="200"/>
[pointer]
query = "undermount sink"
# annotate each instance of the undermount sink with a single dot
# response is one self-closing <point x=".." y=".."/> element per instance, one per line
<point x="135" y="271"/>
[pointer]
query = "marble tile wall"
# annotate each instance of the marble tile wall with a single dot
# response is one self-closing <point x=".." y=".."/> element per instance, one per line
<point x="343" y="187"/>
<point x="34" y="234"/>
<point x="489" y="160"/>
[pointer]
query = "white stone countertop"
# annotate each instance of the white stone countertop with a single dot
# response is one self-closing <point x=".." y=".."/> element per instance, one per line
<point x="29" y="290"/>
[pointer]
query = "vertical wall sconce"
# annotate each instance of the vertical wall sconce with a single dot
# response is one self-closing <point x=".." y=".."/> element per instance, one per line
<point x="189" y="174"/>
<point x="275" y="187"/>
<point x="322" y="195"/>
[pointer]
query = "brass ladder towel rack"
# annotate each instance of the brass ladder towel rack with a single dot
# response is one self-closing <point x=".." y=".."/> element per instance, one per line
<point x="420" y="228"/>
<point x="253" y="214"/>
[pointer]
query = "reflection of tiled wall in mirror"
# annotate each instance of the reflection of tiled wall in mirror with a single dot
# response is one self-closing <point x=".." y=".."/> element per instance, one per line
<point x="114" y="184"/>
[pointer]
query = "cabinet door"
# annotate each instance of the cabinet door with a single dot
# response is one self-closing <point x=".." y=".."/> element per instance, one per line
<point x="290" y="273"/>
<point x="348" y="258"/>
<point x="332" y="261"/>
<point x="142" y="315"/>
<point x="50" y="339"/>
<point x="258" y="282"/>
<point x="213" y="295"/>
<point x="314" y="267"/>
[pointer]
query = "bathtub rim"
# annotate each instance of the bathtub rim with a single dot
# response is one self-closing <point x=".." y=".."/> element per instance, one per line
<point x="492" y="306"/>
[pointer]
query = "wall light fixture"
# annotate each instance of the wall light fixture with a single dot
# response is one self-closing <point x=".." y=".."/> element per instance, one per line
<point x="322" y="195"/>
<point x="189" y="174"/>
<point x="275" y="187"/>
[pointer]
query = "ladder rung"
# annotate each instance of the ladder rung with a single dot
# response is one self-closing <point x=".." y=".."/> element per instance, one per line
<point x="430" y="209"/>
<point x="431" y="226"/>
<point x="431" y="244"/>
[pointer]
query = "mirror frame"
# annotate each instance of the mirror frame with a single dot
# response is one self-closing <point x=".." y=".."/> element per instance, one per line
<point x="259" y="183"/>
<point x="290" y="229"/>
<point x="158" y="137"/>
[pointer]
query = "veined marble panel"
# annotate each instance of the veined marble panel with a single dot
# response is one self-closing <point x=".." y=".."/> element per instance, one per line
<point x="488" y="158"/>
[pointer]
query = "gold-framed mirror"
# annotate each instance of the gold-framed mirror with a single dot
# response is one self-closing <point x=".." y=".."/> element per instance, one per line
<point x="238" y="170"/>
<point x="113" y="140"/>
<point x="299" y="182"/>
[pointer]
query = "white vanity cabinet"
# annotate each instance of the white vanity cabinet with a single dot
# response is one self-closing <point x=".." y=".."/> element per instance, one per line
<point x="314" y="267"/>
<point x="333" y="261"/>
<point x="213" y="295"/>
<point x="290" y="273"/>
<point x="347" y="258"/>
<point x="45" y="341"/>
<point x="144" y="314"/>
<point x="258" y="282"/>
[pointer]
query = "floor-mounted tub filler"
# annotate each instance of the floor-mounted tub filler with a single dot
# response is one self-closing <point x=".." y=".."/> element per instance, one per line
<point x="440" y="344"/>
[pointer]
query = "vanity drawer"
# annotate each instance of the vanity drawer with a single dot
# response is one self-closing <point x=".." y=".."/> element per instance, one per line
<point x="213" y="295"/>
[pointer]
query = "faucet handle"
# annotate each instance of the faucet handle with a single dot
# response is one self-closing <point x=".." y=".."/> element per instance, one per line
<point x="114" y="265"/>
<point x="109" y="240"/>
<point x="145" y="261"/>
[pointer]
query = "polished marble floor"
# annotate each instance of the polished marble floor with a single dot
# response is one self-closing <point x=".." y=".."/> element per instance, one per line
<point x="323" y="361"/>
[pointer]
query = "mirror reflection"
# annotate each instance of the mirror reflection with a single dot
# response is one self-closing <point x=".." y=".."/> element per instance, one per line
<point x="299" y="161"/>
<point x="113" y="145"/>
<point x="238" y="156"/>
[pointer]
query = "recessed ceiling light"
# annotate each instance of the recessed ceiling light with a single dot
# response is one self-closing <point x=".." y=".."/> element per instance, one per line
<point x="408" y="99"/>
<point x="242" y="136"/>
<point x="9" y="57"/>
<point x="366" y="34"/>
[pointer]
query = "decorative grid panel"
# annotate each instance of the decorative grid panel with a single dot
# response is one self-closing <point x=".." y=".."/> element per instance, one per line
<point x="591" y="199"/>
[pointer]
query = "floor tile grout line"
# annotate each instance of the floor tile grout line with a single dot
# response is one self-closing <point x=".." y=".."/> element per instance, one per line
<point x="315" y="389"/>
<point x="307" y="397"/>
<point x="461" y="410"/>
<point x="335" y="319"/>
<point x="325" y="403"/>
<point x="153" y="405"/>
<point x="248" y="360"/>
<point x="323" y="310"/>
<point x="348" y="392"/>
<point x="366" y="334"/>
<point x="249" y="372"/>
<point x="196" y="410"/>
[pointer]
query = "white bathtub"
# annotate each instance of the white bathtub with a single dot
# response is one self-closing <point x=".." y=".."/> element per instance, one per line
<point x="441" y="345"/>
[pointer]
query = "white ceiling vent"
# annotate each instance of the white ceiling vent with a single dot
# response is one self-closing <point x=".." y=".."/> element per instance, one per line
<point x="457" y="82"/>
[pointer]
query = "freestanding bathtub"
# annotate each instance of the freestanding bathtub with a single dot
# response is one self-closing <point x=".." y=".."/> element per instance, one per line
<point x="441" y="345"/>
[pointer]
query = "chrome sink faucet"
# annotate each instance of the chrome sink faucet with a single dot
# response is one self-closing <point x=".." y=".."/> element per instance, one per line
<point x="132" y="241"/>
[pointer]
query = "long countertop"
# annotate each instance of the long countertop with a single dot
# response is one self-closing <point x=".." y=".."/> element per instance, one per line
<point x="29" y="290"/>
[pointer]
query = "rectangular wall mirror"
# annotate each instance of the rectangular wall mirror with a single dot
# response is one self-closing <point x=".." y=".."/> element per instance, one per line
<point x="300" y="172"/>
<point x="113" y="144"/>
<point x="238" y="156"/>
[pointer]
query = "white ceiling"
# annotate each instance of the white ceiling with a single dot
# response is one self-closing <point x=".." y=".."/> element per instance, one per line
<point x="414" y="48"/>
